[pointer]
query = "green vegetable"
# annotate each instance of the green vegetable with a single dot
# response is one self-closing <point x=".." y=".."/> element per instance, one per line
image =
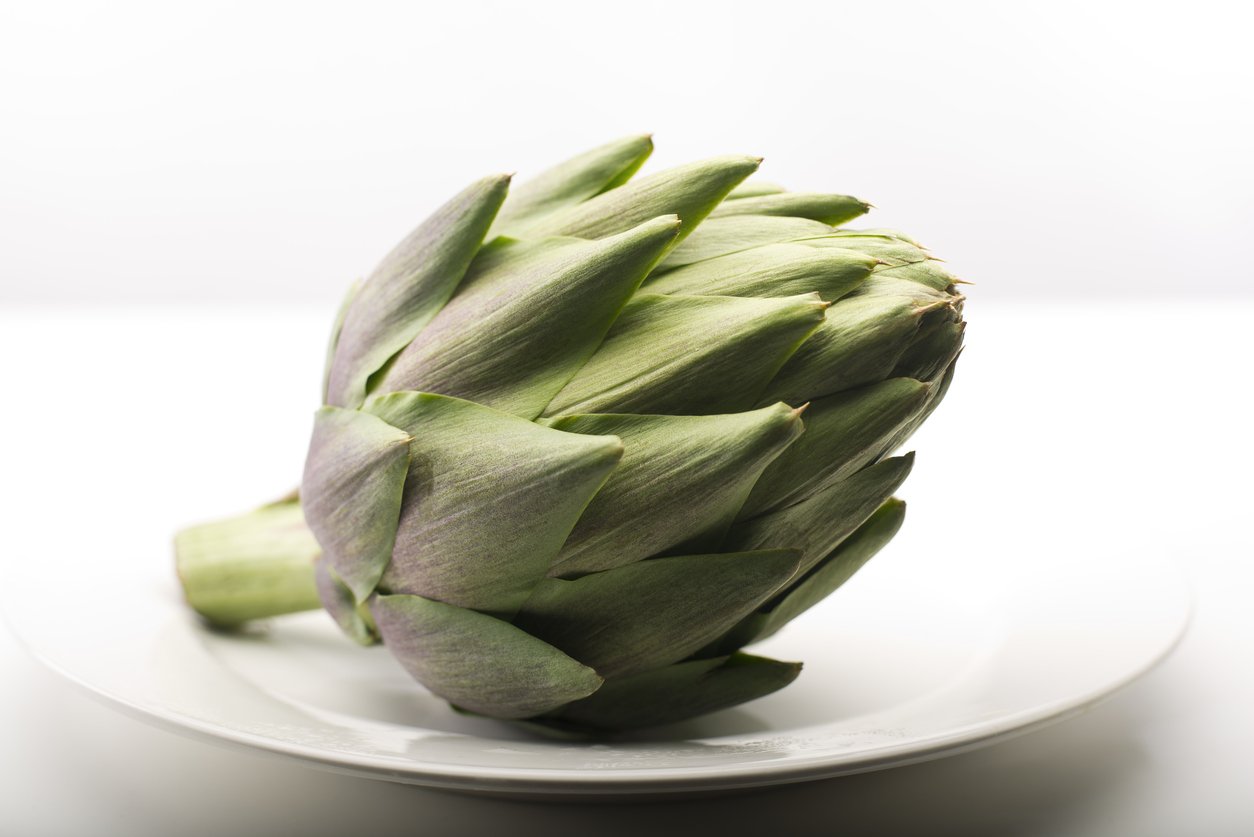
<point x="585" y="440"/>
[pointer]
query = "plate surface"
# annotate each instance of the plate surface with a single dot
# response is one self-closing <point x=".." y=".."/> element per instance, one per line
<point x="919" y="656"/>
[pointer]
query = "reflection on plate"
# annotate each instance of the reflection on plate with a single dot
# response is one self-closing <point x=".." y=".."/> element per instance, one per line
<point x="919" y="656"/>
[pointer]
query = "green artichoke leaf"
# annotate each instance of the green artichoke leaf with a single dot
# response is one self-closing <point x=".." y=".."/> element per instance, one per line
<point x="351" y="492"/>
<point x="342" y="605"/>
<point x="690" y="191"/>
<point x="929" y="272"/>
<point x="880" y="283"/>
<point x="722" y="236"/>
<point x="935" y="347"/>
<point x="753" y="187"/>
<point x="900" y="257"/>
<point x="844" y="433"/>
<point x="830" y="209"/>
<point x="509" y="673"/>
<point x="678" y="692"/>
<point x="681" y="478"/>
<point x="574" y="181"/>
<point x="527" y="316"/>
<point x="769" y="271"/>
<point x="835" y="569"/>
<point x="819" y="523"/>
<point x="409" y="287"/>
<point x="336" y="328"/>
<point x="861" y="341"/>
<point x="689" y="355"/>
<point x="889" y="248"/>
<point x="881" y="233"/>
<point x="489" y="499"/>
<point x="937" y="386"/>
<point x="656" y="612"/>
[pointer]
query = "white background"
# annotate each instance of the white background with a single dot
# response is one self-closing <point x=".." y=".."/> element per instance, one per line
<point x="251" y="151"/>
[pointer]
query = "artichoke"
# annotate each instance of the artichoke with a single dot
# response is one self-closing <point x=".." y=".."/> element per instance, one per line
<point x="585" y="440"/>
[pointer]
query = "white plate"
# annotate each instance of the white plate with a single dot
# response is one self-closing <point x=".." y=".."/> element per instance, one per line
<point x="919" y="656"/>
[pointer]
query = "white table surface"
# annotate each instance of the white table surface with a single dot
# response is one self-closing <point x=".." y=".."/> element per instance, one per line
<point x="1084" y="422"/>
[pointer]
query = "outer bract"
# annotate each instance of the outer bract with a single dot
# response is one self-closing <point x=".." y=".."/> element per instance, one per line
<point x="586" y="440"/>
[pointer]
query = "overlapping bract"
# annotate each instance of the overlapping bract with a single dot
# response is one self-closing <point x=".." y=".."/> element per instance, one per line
<point x="587" y="439"/>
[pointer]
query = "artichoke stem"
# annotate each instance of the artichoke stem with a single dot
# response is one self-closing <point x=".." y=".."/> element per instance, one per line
<point x="252" y="566"/>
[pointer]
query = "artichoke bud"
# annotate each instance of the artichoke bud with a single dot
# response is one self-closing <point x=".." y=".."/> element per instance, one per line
<point x="585" y="441"/>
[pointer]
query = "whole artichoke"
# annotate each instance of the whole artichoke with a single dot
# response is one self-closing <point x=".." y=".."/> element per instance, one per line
<point x="563" y="471"/>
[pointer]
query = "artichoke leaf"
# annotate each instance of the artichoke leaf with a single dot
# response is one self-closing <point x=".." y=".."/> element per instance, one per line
<point x="844" y="433"/>
<point x="900" y="258"/>
<point x="818" y="524"/>
<point x="690" y="191"/>
<point x="409" y="287"/>
<point x="937" y="386"/>
<point x="835" y="569"/>
<point x="828" y="208"/>
<point x="935" y="347"/>
<point x="889" y="249"/>
<point x="678" y="692"/>
<point x="769" y="271"/>
<point x="574" y="181"/>
<point x="861" y="341"/>
<point x="351" y="493"/>
<point x="680" y="477"/>
<point x="689" y="355"/>
<point x="339" y="602"/>
<point x="527" y="316"/>
<point x="723" y="236"/>
<point x="336" y="328"/>
<point x="489" y="499"/>
<point x="510" y="674"/>
<point x="929" y="273"/>
<point x="882" y="232"/>
<point x="881" y="283"/>
<point x="754" y="187"/>
<point x="656" y="612"/>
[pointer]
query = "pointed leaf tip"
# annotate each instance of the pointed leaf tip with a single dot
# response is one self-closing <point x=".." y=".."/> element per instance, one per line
<point x="656" y="612"/>
<point x="835" y="569"/>
<point x="684" y="690"/>
<point x="770" y="270"/>
<point x="829" y="209"/>
<point x="690" y="191"/>
<point x="681" y="481"/>
<point x="819" y="523"/>
<point x="409" y="287"/>
<point x="477" y="661"/>
<point x="528" y="315"/>
<point x="844" y="432"/>
<point x="689" y="355"/>
<point x="573" y="182"/>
